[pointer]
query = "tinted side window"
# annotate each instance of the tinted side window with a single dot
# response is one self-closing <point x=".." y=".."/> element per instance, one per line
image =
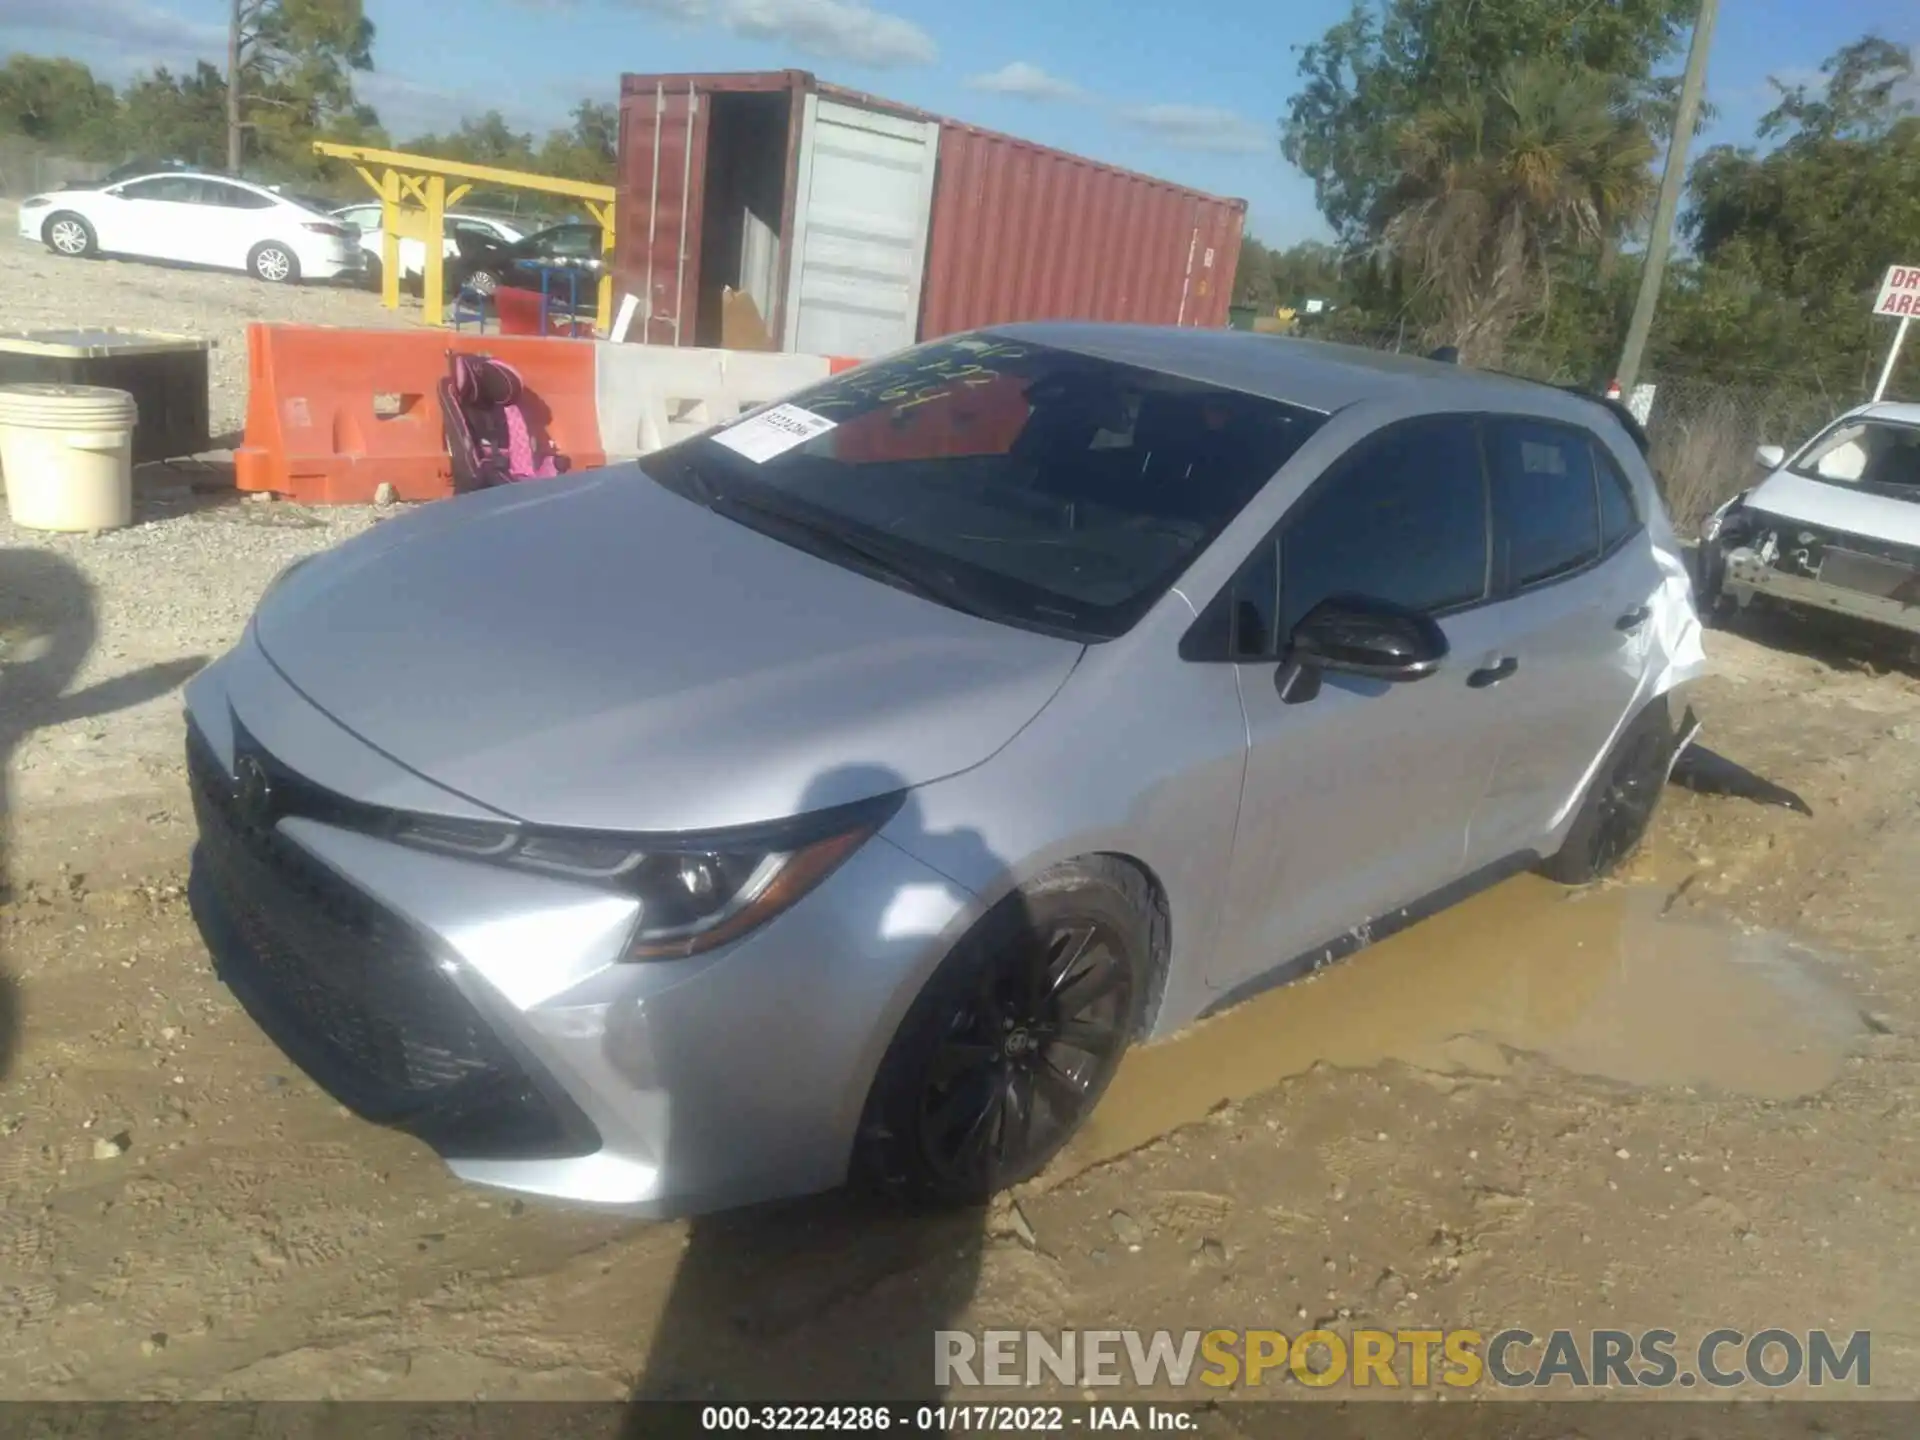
<point x="1619" y="517"/>
<point x="179" y="188"/>
<point x="1402" y="517"/>
<point x="231" y="197"/>
<point x="1546" y="522"/>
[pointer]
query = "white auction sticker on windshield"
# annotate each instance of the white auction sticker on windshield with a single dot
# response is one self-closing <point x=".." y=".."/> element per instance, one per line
<point x="773" y="432"/>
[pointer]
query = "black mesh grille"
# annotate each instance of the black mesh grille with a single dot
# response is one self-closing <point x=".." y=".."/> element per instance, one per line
<point x="352" y="993"/>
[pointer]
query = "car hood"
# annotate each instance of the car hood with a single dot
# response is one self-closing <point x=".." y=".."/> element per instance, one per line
<point x="1838" y="507"/>
<point x="600" y="652"/>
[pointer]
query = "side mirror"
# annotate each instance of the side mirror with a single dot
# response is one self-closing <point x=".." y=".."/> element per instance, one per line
<point x="1771" y="456"/>
<point x="1374" y="639"/>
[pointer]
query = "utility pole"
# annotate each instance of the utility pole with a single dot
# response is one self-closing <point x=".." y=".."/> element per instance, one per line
<point x="1672" y="181"/>
<point x="235" y="133"/>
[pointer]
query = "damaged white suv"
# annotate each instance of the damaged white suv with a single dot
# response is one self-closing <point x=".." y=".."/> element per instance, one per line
<point x="1835" y="528"/>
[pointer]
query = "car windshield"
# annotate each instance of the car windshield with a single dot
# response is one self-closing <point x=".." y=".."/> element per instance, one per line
<point x="1040" y="487"/>
<point x="1881" y="456"/>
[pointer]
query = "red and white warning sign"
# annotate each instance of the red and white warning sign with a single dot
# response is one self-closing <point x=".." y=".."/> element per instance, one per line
<point x="1900" y="293"/>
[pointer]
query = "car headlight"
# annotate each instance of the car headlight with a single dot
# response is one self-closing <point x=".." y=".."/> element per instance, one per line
<point x="1711" y="527"/>
<point x="36" y="202"/>
<point x="695" y="892"/>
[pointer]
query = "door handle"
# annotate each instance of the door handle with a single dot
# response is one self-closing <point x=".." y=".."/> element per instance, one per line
<point x="1493" y="674"/>
<point x="1633" y="619"/>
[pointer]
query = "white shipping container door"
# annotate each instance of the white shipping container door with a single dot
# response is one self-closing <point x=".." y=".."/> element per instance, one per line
<point x="859" y="252"/>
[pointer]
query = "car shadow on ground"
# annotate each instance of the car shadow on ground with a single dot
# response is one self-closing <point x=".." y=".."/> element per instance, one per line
<point x="173" y="489"/>
<point x="836" y="1297"/>
<point x="1832" y="640"/>
<point x="48" y="625"/>
<point x="1707" y="772"/>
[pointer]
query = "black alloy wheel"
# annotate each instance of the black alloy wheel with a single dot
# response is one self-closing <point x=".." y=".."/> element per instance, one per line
<point x="1627" y="801"/>
<point x="1014" y="1038"/>
<point x="1025" y="1056"/>
<point x="1619" y="806"/>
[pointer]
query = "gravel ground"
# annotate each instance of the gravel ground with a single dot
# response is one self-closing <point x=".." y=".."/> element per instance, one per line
<point x="145" y="604"/>
<point x="46" y="291"/>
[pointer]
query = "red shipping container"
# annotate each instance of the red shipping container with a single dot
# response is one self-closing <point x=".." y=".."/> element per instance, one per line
<point x="857" y="225"/>
<point x="1024" y="232"/>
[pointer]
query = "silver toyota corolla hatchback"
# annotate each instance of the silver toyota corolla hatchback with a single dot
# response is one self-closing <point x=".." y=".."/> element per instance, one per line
<point x="840" y="792"/>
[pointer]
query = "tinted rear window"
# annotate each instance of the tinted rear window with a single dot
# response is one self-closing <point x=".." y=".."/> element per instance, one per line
<point x="1546" y="518"/>
<point x="1064" y="492"/>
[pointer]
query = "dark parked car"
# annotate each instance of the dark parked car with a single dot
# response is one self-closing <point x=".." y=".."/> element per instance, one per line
<point x="485" y="263"/>
<point x="131" y="170"/>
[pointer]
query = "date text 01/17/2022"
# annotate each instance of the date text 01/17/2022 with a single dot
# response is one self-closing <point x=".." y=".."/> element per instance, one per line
<point x="944" y="1419"/>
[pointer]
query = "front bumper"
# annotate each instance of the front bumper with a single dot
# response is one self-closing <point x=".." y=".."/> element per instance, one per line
<point x="487" y="1011"/>
<point x="1864" y="587"/>
<point x="29" y="223"/>
<point x="330" y="259"/>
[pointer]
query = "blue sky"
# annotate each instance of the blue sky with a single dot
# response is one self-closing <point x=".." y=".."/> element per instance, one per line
<point x="1187" y="91"/>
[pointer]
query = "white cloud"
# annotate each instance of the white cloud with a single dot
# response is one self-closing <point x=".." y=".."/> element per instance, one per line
<point x="132" y="32"/>
<point x="1201" y="127"/>
<point x="831" y="29"/>
<point x="1030" y="82"/>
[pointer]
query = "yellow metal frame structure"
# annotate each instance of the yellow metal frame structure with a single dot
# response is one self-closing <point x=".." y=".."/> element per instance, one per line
<point x="415" y="196"/>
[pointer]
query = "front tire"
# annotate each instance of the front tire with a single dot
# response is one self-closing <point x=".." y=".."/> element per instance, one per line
<point x="69" y="234"/>
<point x="274" y="263"/>
<point x="1011" y="1044"/>
<point x="1619" y="806"/>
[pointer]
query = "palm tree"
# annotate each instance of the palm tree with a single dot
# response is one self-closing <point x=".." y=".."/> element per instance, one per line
<point x="1496" y="184"/>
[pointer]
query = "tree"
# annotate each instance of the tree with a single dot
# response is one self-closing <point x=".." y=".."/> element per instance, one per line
<point x="178" y="116"/>
<point x="1389" y="61"/>
<point x="487" y="140"/>
<point x="1793" y="241"/>
<point x="1498" y="185"/>
<point x="1253" y="275"/>
<point x="586" y="149"/>
<point x="289" y="72"/>
<point x="57" y="101"/>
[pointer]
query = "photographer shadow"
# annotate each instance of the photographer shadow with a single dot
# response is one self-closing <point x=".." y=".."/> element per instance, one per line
<point x="830" y="1298"/>
<point x="48" y="627"/>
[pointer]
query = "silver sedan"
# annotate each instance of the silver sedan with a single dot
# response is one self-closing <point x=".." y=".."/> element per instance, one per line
<point x="840" y="793"/>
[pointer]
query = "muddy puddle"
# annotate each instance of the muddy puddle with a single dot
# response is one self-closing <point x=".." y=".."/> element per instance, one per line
<point x="1600" y="982"/>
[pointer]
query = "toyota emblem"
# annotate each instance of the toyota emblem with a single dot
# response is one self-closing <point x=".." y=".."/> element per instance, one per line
<point x="254" y="790"/>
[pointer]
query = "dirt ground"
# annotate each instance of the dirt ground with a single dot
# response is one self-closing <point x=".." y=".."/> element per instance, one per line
<point x="1684" y="1100"/>
<point x="1679" y="1101"/>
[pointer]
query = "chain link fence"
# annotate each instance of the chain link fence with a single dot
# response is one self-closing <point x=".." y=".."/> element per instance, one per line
<point x="28" y="167"/>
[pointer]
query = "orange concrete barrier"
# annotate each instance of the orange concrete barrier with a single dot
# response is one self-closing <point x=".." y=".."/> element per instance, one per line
<point x="333" y="414"/>
<point x="837" y="363"/>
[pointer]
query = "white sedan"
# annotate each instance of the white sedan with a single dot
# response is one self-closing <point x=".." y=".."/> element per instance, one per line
<point x="366" y="218"/>
<point x="1834" y="527"/>
<point x="196" y="220"/>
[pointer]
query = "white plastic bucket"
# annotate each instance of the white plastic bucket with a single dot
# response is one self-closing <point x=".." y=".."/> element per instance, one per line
<point x="66" y="456"/>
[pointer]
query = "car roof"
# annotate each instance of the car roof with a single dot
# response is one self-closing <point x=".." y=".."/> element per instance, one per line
<point x="1898" y="411"/>
<point x="199" y="174"/>
<point x="1313" y="374"/>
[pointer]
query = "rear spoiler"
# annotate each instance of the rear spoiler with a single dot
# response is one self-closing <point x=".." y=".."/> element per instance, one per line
<point x="1450" y="355"/>
<point x="1628" y="422"/>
